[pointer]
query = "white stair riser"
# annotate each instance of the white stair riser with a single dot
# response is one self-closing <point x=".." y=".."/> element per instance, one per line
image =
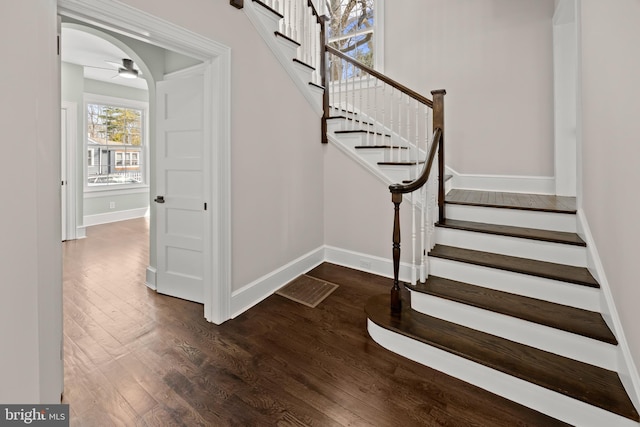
<point x="534" y="335"/>
<point x="528" y="394"/>
<point x="513" y="246"/>
<point x="289" y="49"/>
<point x="399" y="174"/>
<point x="305" y="73"/>
<point x="521" y="284"/>
<point x="514" y="217"/>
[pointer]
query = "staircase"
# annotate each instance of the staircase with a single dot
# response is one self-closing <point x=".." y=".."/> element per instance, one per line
<point x="509" y="304"/>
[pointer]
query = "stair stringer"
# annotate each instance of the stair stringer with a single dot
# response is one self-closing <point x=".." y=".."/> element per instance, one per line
<point x="525" y="393"/>
<point x="266" y="23"/>
<point x="627" y="369"/>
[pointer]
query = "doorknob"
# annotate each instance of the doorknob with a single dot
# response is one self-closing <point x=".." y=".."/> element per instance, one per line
<point x="159" y="199"/>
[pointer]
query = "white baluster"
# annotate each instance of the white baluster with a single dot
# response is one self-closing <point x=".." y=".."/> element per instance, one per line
<point x="423" y="231"/>
<point x="413" y="238"/>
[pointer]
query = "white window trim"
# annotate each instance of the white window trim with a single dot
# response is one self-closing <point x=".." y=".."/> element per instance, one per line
<point x="378" y="34"/>
<point x="91" y="98"/>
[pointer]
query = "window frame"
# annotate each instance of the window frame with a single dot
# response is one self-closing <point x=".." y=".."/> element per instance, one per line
<point x="143" y="153"/>
<point x="378" y="34"/>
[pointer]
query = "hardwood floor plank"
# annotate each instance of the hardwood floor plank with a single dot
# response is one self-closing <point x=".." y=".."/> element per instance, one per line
<point x="135" y="357"/>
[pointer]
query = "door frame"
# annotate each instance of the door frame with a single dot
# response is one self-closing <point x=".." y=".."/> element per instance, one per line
<point x="139" y="25"/>
<point x="68" y="169"/>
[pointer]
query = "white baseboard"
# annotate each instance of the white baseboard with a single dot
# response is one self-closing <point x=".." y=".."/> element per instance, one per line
<point x="81" y="232"/>
<point x="368" y="263"/>
<point x="506" y="183"/>
<point x="115" y="216"/>
<point x="627" y="369"/>
<point x="150" y="278"/>
<point x="254" y="292"/>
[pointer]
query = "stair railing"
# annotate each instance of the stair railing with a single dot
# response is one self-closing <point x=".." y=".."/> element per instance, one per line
<point x="410" y="127"/>
<point x="405" y="124"/>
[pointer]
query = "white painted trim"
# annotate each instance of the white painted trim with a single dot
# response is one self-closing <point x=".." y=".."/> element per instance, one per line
<point x="70" y="173"/>
<point x="506" y="183"/>
<point x="150" y="278"/>
<point x="256" y="291"/>
<point x="525" y="393"/>
<point x="81" y="232"/>
<point x="367" y="263"/>
<point x="194" y="70"/>
<point x="532" y="334"/>
<point x="140" y="25"/>
<point x="627" y="369"/>
<point x="583" y="297"/>
<point x="105" y="218"/>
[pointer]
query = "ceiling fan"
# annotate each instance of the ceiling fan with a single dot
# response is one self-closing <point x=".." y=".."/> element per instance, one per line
<point x="126" y="69"/>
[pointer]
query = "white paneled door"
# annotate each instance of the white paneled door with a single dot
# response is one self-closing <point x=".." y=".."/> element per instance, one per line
<point x="181" y="210"/>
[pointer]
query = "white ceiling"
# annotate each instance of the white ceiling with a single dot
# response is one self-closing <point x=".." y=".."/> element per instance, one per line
<point x="93" y="52"/>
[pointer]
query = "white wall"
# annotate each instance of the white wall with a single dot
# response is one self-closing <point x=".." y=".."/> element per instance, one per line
<point x="277" y="175"/>
<point x="611" y="148"/>
<point x="30" y="248"/>
<point x="494" y="58"/>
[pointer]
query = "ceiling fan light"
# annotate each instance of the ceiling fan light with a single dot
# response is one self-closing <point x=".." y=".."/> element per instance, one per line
<point x="128" y="74"/>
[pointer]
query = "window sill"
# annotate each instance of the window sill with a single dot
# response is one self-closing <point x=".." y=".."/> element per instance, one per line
<point x="115" y="190"/>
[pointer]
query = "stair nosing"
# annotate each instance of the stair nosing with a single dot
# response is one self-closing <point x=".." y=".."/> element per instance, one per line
<point x="269" y="8"/>
<point x="506" y="362"/>
<point x="606" y="335"/>
<point x="469" y="226"/>
<point x="520" y="208"/>
<point x="531" y="272"/>
<point x="362" y="131"/>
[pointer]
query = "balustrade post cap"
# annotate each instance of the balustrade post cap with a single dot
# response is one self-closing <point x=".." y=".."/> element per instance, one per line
<point x="439" y="92"/>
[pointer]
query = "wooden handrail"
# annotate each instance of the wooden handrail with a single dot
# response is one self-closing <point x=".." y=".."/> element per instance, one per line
<point x="413" y="94"/>
<point x="426" y="170"/>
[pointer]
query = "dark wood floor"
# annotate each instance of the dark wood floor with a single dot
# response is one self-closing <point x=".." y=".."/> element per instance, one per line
<point x="133" y="357"/>
<point x="535" y="202"/>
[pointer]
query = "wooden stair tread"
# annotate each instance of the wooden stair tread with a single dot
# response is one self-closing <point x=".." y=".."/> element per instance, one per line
<point x="570" y="319"/>
<point x="386" y="147"/>
<point x="349" y="119"/>
<point x="495" y="199"/>
<point x="269" y="8"/>
<point x="593" y="385"/>
<point x="549" y="270"/>
<point x="362" y="131"/>
<point x="506" y="230"/>
<point x="401" y="163"/>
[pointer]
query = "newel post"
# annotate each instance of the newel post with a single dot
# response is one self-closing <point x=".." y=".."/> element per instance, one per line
<point x="396" y="302"/>
<point x="326" y="80"/>
<point x="438" y="122"/>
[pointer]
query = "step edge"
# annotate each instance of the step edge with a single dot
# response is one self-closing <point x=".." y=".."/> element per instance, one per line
<point x="448" y="225"/>
<point x="502" y="384"/>
<point x="519" y="271"/>
<point x="610" y="340"/>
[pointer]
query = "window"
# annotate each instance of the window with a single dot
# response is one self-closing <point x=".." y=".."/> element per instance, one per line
<point x="115" y="143"/>
<point x="355" y="30"/>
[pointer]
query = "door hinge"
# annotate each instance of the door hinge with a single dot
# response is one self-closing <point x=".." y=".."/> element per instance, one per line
<point x="205" y="206"/>
<point x="58" y="42"/>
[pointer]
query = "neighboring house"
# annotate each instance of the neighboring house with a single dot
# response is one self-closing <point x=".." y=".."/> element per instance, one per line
<point x="308" y="195"/>
<point x="112" y="163"/>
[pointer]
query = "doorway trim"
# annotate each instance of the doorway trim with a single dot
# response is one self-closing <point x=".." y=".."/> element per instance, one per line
<point x="142" y="26"/>
<point x="69" y="147"/>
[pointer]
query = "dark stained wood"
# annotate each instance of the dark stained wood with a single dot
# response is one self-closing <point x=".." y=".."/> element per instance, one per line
<point x="304" y="64"/>
<point x="289" y="39"/>
<point x="521" y="232"/>
<point x="134" y="357"/>
<point x="534" y="202"/>
<point x="566" y="273"/>
<point x="350" y="119"/>
<point x="361" y="131"/>
<point x="407" y="163"/>
<point x="421" y="180"/>
<point x="438" y="123"/>
<point x="369" y="147"/>
<point x="395" y="301"/>
<point x="413" y="94"/>
<point x="581" y="322"/>
<point x="258" y="2"/>
<point x="238" y="4"/>
<point x="588" y="383"/>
